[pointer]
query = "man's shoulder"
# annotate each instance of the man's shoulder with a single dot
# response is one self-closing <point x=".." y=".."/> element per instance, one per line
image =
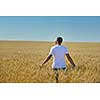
<point x="53" y="47"/>
<point x="64" y="47"/>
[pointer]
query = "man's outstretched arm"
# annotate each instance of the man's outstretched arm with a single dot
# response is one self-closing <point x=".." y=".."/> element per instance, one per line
<point x="46" y="60"/>
<point x="70" y="60"/>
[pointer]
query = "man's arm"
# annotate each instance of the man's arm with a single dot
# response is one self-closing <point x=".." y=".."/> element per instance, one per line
<point x="70" y="59"/>
<point x="46" y="60"/>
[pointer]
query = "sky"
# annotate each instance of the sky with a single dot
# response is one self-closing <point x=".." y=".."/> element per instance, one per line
<point x="47" y="28"/>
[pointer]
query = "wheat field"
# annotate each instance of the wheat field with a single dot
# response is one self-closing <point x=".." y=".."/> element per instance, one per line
<point x="19" y="63"/>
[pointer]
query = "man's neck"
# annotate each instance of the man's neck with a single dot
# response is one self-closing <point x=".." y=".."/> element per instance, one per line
<point x="59" y="44"/>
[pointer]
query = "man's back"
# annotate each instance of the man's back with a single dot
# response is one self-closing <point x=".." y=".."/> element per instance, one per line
<point x="58" y="53"/>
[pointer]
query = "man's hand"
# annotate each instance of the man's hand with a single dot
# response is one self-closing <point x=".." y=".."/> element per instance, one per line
<point x="41" y="65"/>
<point x="74" y="66"/>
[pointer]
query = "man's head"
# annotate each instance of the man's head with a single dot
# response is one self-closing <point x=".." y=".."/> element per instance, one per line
<point x="59" y="40"/>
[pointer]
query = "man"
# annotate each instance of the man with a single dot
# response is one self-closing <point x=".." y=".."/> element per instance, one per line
<point x="59" y="52"/>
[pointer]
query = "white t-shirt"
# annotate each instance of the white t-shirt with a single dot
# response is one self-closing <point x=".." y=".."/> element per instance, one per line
<point x="58" y="52"/>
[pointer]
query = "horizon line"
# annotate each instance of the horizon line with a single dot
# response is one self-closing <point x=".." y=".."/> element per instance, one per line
<point x="49" y="41"/>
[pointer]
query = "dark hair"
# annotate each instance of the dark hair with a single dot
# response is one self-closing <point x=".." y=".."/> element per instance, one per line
<point x="59" y="40"/>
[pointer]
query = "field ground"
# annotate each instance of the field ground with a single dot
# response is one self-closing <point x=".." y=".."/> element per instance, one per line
<point x="19" y="62"/>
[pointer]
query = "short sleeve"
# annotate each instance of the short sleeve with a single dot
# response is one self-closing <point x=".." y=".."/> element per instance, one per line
<point x="66" y="51"/>
<point x="51" y="51"/>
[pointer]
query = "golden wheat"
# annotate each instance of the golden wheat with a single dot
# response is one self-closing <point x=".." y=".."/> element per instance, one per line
<point x="19" y="62"/>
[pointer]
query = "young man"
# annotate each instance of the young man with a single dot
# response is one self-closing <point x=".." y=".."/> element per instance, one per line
<point x="59" y="52"/>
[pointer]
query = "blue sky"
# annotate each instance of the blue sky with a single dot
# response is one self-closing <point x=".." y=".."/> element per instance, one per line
<point x="43" y="28"/>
